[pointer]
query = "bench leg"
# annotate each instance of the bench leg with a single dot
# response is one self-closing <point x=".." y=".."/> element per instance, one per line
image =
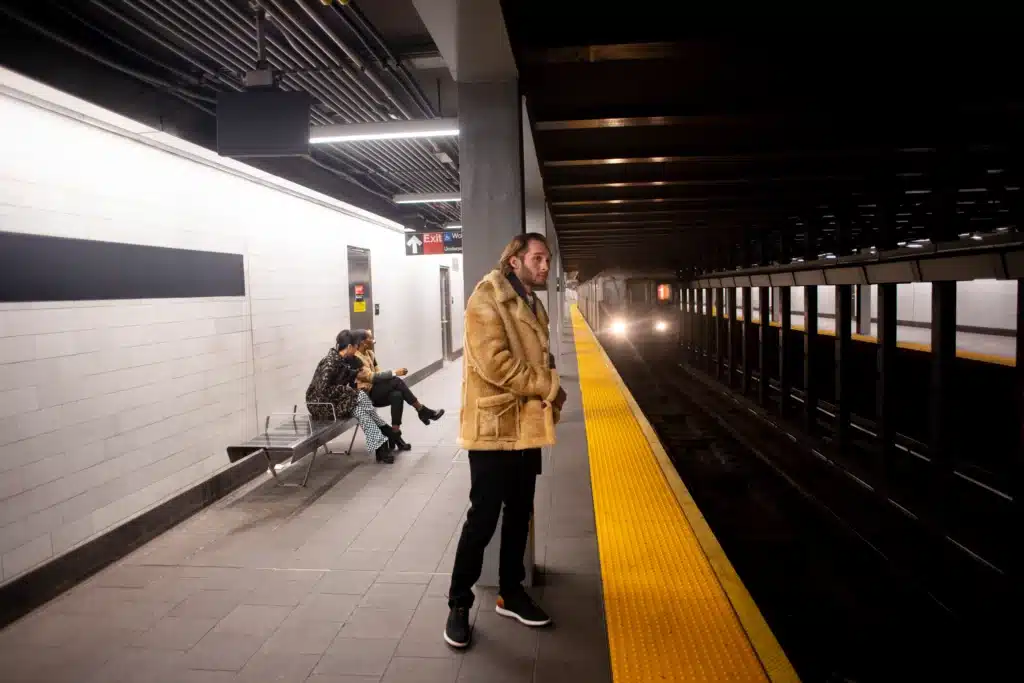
<point x="270" y="467"/>
<point x="353" y="441"/>
<point x="309" y="467"/>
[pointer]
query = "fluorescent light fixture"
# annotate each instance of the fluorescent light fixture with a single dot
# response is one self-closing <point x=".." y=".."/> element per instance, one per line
<point x="385" y="130"/>
<point x="453" y="226"/>
<point x="427" y="198"/>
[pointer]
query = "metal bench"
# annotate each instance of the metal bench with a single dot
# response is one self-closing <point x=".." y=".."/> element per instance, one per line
<point x="294" y="436"/>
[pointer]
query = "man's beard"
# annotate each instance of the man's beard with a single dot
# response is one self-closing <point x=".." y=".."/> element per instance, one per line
<point x="528" y="277"/>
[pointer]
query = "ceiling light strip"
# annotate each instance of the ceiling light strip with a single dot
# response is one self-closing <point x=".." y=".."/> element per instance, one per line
<point x="383" y="130"/>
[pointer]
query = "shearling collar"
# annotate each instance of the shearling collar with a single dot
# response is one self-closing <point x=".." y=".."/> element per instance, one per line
<point x="503" y="290"/>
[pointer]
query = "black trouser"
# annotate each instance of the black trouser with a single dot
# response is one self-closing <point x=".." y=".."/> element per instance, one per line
<point x="497" y="477"/>
<point x="392" y="392"/>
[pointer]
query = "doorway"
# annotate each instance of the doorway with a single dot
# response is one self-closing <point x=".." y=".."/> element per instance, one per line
<point x="360" y="290"/>
<point x="446" y="315"/>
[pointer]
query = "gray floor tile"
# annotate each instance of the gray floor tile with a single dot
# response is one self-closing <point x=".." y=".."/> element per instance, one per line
<point x="210" y="604"/>
<point x="439" y="584"/>
<point x="368" y="622"/>
<point x="421" y="670"/>
<point x="302" y="637"/>
<point x="356" y="578"/>
<point x="175" y="633"/>
<point x="253" y="620"/>
<point x="346" y="581"/>
<point x="223" y="651"/>
<point x="277" y="668"/>
<point x="357" y="656"/>
<point x="325" y="607"/>
<point x="393" y="596"/>
<point x="404" y="577"/>
<point x="374" y="560"/>
<point x="138" y="664"/>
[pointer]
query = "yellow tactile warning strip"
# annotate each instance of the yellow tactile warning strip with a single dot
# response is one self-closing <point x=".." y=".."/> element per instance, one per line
<point x="675" y="608"/>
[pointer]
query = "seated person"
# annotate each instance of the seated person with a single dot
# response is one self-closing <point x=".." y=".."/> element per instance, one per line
<point x="388" y="388"/>
<point x="334" y="384"/>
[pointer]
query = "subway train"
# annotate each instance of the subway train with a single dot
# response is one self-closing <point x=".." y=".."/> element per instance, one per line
<point x="644" y="306"/>
<point x="632" y="305"/>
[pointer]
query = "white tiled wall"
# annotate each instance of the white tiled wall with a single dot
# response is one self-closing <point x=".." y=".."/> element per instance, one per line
<point x="107" y="408"/>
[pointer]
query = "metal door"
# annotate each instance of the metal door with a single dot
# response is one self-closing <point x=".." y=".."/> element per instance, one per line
<point x="360" y="289"/>
<point x="446" y="314"/>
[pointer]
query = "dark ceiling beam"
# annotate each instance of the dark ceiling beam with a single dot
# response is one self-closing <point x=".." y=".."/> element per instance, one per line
<point x="706" y="182"/>
<point x="589" y="54"/>
<point x="718" y="158"/>
<point x="626" y="122"/>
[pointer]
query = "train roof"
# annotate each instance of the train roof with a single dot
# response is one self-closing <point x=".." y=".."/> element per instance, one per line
<point x="654" y="274"/>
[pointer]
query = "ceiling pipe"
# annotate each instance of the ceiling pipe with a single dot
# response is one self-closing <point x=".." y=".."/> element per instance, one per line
<point x="392" y="64"/>
<point x="354" y="58"/>
<point x="170" y="88"/>
<point x="183" y="76"/>
<point x="368" y="108"/>
<point x="167" y="45"/>
<point x="352" y="16"/>
<point x="304" y="79"/>
<point x="233" y="55"/>
<point x="196" y="36"/>
<point x="372" y="112"/>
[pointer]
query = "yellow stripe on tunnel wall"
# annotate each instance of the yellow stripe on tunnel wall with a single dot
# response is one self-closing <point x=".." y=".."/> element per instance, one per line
<point x="675" y="608"/>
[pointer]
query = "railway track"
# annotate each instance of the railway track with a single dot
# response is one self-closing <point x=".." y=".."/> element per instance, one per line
<point x="840" y="608"/>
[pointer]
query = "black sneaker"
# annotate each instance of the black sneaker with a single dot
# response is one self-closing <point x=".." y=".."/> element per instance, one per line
<point x="456" y="631"/>
<point x="520" y="606"/>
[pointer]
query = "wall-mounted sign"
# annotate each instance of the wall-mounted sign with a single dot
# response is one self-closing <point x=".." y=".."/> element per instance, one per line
<point x="359" y="307"/>
<point x="431" y="243"/>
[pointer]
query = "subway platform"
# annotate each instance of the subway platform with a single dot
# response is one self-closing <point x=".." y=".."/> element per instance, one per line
<point x="345" y="580"/>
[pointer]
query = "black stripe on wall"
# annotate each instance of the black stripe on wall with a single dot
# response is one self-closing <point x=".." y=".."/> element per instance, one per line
<point x="44" y="268"/>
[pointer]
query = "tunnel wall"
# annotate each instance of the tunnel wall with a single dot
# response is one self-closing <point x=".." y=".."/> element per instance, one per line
<point x="108" y="407"/>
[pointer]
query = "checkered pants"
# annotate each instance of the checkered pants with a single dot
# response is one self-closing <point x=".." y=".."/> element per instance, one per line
<point x="370" y="421"/>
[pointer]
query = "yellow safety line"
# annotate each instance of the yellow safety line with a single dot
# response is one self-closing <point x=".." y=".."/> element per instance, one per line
<point x="676" y="609"/>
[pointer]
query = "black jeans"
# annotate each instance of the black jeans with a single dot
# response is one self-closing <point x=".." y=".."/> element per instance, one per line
<point x="497" y="478"/>
<point x="392" y="392"/>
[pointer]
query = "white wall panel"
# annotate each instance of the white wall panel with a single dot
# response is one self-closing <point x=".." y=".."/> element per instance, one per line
<point x="109" y="407"/>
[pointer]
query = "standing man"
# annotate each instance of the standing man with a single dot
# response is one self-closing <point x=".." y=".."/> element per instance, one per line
<point x="511" y="401"/>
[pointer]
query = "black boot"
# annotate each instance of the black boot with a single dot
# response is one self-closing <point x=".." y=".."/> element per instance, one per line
<point x="394" y="438"/>
<point x="398" y="442"/>
<point x="385" y="455"/>
<point x="427" y="415"/>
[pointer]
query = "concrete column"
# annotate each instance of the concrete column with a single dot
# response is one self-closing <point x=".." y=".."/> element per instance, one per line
<point x="491" y="174"/>
<point x="490" y="164"/>
<point x="863" y="310"/>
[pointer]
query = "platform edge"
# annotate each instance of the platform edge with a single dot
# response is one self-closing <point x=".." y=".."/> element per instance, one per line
<point x="770" y="653"/>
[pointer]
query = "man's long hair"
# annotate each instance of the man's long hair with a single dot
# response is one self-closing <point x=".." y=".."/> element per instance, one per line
<point x="518" y="247"/>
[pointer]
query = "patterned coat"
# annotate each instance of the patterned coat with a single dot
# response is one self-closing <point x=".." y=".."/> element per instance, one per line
<point x="334" y="383"/>
<point x="508" y="383"/>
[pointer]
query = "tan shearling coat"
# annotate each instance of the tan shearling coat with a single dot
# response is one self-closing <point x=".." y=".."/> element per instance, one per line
<point x="507" y="381"/>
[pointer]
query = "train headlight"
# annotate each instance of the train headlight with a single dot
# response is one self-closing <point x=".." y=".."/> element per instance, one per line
<point x="660" y="326"/>
<point x="619" y="328"/>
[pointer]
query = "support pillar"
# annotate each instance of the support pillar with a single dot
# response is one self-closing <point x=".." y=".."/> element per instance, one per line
<point x="785" y="340"/>
<point x="843" y="350"/>
<point x="810" y="358"/>
<point x="490" y="162"/>
<point x="491" y="174"/>
<point x="863" y="311"/>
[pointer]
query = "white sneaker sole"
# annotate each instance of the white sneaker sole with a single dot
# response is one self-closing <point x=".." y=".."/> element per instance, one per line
<point x="453" y="643"/>
<point x="509" y="613"/>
